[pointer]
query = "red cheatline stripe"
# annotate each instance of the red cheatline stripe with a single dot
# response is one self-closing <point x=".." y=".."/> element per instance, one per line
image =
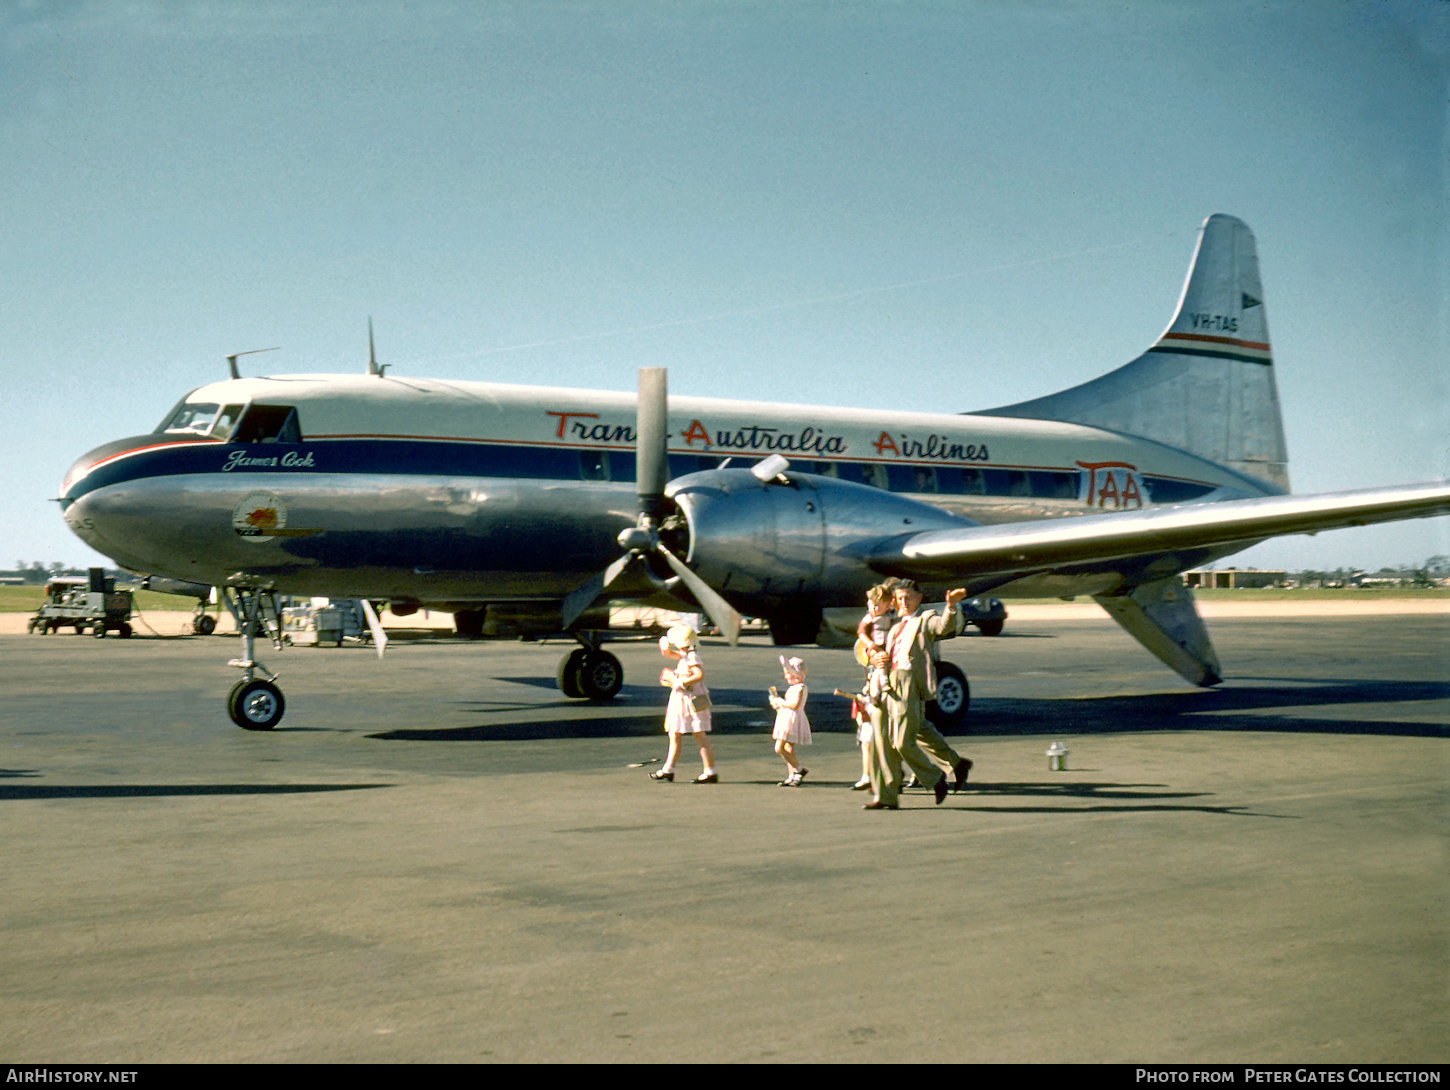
<point x="150" y="446"/>
<point x="1216" y="340"/>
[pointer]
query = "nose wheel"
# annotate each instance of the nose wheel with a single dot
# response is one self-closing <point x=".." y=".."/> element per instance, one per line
<point x="256" y="704"/>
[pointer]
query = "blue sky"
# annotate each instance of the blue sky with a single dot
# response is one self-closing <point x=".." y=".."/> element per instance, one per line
<point x="913" y="205"/>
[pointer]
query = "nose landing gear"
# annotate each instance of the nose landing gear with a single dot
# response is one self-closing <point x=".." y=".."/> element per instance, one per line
<point x="255" y="703"/>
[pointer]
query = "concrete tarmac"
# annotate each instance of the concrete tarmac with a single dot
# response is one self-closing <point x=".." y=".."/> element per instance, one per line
<point x="438" y="857"/>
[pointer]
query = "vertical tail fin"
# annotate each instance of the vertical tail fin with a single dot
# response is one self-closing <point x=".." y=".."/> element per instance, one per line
<point x="1207" y="385"/>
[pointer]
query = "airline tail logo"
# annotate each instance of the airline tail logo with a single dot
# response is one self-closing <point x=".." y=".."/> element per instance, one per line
<point x="1111" y="486"/>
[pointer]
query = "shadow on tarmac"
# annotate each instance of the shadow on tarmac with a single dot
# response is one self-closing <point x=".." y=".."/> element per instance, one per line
<point x="1247" y="708"/>
<point x="170" y="790"/>
<point x="1241" y="709"/>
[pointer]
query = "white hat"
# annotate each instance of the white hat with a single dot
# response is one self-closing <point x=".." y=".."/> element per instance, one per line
<point x="680" y="636"/>
<point x="793" y="665"/>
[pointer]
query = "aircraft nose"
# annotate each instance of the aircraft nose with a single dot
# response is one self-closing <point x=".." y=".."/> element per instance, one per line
<point x="80" y="484"/>
<point x="78" y="469"/>
<point x="75" y="484"/>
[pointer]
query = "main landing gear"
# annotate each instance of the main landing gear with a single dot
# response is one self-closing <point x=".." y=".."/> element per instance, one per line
<point x="255" y="703"/>
<point x="953" y="694"/>
<point x="589" y="673"/>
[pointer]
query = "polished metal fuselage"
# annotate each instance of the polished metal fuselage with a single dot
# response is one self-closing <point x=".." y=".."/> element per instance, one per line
<point x="449" y="494"/>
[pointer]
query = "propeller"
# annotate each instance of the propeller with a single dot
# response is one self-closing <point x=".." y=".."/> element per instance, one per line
<point x="643" y="538"/>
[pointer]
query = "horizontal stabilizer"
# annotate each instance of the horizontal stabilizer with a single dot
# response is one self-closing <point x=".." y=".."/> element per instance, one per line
<point x="1021" y="547"/>
<point x="1163" y="617"/>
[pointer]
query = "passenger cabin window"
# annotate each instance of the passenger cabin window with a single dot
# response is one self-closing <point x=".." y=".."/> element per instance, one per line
<point x="1166" y="490"/>
<point x="593" y="465"/>
<point x="268" y="424"/>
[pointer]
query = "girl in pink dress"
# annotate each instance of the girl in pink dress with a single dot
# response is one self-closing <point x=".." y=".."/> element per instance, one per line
<point x="792" y="728"/>
<point x="689" y="710"/>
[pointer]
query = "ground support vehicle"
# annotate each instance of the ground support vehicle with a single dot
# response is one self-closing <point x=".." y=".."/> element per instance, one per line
<point x="84" y="602"/>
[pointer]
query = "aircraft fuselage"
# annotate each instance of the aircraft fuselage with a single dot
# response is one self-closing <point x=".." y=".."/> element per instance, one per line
<point x="451" y="493"/>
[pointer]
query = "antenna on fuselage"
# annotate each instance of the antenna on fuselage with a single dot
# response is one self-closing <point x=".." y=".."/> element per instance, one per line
<point x="232" y="359"/>
<point x="373" y="368"/>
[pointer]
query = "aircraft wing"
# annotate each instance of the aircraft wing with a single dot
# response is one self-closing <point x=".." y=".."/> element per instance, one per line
<point x="1022" y="547"/>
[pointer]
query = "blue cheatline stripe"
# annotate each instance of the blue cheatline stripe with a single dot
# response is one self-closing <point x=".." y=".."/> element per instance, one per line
<point x="434" y="458"/>
<point x="353" y="456"/>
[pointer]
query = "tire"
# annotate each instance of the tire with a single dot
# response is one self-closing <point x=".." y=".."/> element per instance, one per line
<point x="953" y="695"/>
<point x="792" y="626"/>
<point x="600" y="676"/>
<point x="568" y="673"/>
<point x="256" y="705"/>
<point x="204" y="625"/>
<point x="99" y="631"/>
<point x="124" y="630"/>
<point x="991" y="627"/>
<point x="468" y="623"/>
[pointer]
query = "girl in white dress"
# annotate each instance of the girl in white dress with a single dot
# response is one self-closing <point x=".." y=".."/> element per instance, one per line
<point x="689" y="710"/>
<point x="792" y="728"/>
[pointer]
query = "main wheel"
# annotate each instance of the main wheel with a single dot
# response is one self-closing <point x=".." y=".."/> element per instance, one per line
<point x="99" y="631"/>
<point x="990" y="627"/>
<point x="795" y="625"/>
<point x="953" y="694"/>
<point x="204" y="625"/>
<point x="468" y="623"/>
<point x="568" y="673"/>
<point x="600" y="676"/>
<point x="256" y="705"/>
<point x="124" y="630"/>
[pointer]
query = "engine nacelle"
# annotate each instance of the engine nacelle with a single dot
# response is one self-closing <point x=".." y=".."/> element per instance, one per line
<point x="767" y="544"/>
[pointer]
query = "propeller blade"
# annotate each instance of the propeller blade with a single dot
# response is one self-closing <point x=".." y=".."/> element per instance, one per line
<point x="375" y="626"/>
<point x="720" y="611"/>
<point x="615" y="570"/>
<point x="581" y="598"/>
<point x="652" y="465"/>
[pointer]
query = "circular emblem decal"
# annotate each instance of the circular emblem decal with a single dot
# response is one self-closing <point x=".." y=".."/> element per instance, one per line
<point x="259" y="515"/>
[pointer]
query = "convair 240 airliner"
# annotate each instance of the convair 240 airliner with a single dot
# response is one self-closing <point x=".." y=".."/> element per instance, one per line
<point x="527" y="510"/>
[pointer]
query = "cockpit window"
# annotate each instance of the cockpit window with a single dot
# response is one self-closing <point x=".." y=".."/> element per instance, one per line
<point x="268" y="424"/>
<point x="190" y="419"/>
<point x="226" y="420"/>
